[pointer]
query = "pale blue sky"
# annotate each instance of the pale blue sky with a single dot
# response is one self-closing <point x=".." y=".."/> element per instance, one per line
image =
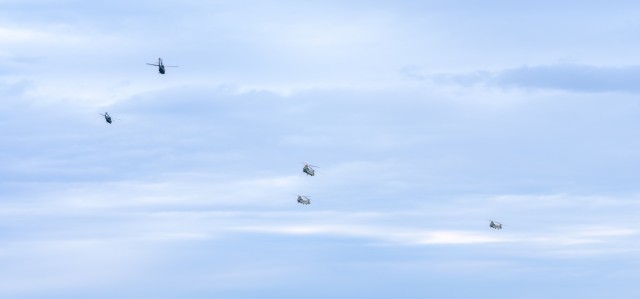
<point x="425" y="117"/>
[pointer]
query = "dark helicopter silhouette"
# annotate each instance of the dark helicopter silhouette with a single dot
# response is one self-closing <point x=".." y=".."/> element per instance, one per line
<point x="495" y="224"/>
<point x="304" y="200"/>
<point x="161" y="66"/>
<point x="106" y="116"/>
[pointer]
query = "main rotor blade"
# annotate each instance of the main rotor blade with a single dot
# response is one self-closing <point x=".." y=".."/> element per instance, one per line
<point x="170" y="66"/>
<point x="153" y="64"/>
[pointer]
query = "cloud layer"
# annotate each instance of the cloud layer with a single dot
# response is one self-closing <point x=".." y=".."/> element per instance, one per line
<point x="191" y="192"/>
<point x="562" y="77"/>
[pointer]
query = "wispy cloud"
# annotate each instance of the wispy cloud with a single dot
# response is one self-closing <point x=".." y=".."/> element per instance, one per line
<point x="563" y="77"/>
<point x="191" y="192"/>
<point x="383" y="234"/>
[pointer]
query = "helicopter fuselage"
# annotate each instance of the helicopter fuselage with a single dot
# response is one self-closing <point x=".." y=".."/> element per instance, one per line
<point x="160" y="65"/>
<point x="304" y="200"/>
<point x="308" y="170"/>
<point x="495" y="225"/>
<point x="107" y="118"/>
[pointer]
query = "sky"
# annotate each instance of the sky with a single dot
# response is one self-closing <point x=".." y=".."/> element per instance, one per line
<point x="426" y="119"/>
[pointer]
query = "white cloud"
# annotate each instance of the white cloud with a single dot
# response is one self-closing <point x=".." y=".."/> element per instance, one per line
<point x="44" y="266"/>
<point x="564" y="77"/>
<point x="389" y="235"/>
<point x="11" y="35"/>
<point x="193" y="190"/>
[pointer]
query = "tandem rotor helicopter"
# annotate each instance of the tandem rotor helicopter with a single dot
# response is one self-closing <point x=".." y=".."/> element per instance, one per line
<point x="309" y="170"/>
<point x="304" y="200"/>
<point x="161" y="66"/>
<point x="495" y="224"/>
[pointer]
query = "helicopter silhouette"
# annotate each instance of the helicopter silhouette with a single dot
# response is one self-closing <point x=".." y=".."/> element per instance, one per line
<point x="106" y="116"/>
<point x="495" y="224"/>
<point x="161" y="66"/>
<point x="304" y="200"/>
<point x="309" y="170"/>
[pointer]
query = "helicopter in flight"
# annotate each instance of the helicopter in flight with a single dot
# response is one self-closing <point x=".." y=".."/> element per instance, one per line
<point x="495" y="224"/>
<point x="161" y="66"/>
<point x="106" y="117"/>
<point x="304" y="200"/>
<point x="309" y="170"/>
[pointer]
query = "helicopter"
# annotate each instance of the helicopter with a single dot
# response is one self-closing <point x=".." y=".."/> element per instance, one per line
<point x="304" y="200"/>
<point x="495" y="224"/>
<point x="161" y="66"/>
<point x="309" y="170"/>
<point x="106" y="116"/>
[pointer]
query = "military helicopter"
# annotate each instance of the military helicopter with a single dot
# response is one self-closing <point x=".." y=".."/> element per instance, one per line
<point x="106" y="116"/>
<point x="309" y="170"/>
<point x="495" y="224"/>
<point x="304" y="200"/>
<point x="161" y="66"/>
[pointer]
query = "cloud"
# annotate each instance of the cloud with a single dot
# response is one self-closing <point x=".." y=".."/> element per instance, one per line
<point x="562" y="77"/>
<point x="51" y="265"/>
<point x="374" y="146"/>
<point x="191" y="192"/>
<point x="13" y="90"/>
<point x="387" y="235"/>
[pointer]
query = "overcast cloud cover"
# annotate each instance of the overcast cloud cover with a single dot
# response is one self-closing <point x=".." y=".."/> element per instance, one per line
<point x="426" y="118"/>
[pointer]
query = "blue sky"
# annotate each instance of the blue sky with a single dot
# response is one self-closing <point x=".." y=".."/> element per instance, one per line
<point x="425" y="117"/>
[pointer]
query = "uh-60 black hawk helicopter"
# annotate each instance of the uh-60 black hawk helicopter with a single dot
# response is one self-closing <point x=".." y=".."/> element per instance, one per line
<point x="106" y="117"/>
<point x="304" y="200"/>
<point x="309" y="170"/>
<point x="161" y="66"/>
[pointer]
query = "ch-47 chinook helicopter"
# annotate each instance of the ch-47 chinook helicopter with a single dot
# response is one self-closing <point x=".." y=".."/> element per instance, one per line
<point x="106" y="117"/>
<point x="161" y="66"/>
<point x="309" y="170"/>
<point x="304" y="200"/>
<point x="495" y="224"/>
